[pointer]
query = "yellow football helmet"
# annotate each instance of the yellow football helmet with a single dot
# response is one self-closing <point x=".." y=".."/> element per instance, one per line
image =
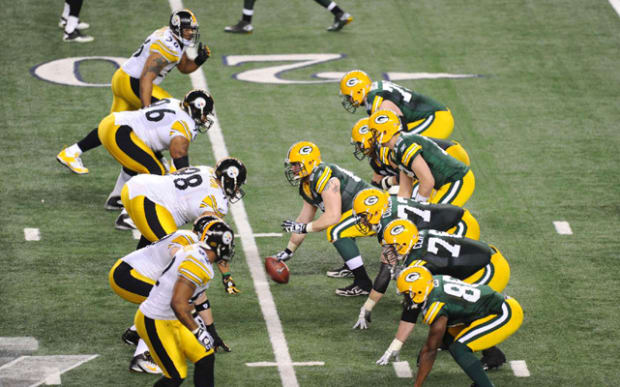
<point x="384" y="124"/>
<point x="354" y="86"/>
<point x="400" y="235"/>
<point x="417" y="282"/>
<point x="361" y="138"/>
<point x="302" y="158"/>
<point x="368" y="206"/>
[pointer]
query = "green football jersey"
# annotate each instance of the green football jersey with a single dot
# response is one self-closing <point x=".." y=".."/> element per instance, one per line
<point x="445" y="168"/>
<point x="462" y="303"/>
<point x="414" y="106"/>
<point x="449" y="254"/>
<point x="440" y="217"/>
<point x="350" y="185"/>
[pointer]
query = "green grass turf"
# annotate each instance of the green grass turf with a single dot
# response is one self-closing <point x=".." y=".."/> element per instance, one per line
<point x="541" y="128"/>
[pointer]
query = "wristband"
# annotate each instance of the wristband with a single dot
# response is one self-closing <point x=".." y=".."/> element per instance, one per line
<point x="309" y="227"/>
<point x="292" y="246"/>
<point x="369" y="304"/>
<point x="420" y="198"/>
<point x="181" y="162"/>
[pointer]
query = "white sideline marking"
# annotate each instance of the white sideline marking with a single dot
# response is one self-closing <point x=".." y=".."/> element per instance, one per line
<point x="18" y="344"/>
<point x="53" y="376"/>
<point x="402" y="369"/>
<point x="562" y="227"/>
<point x="273" y="364"/>
<point x="261" y="285"/>
<point x="519" y="368"/>
<point x="32" y="234"/>
<point x="136" y="234"/>
<point x="33" y="371"/>
<point x="263" y="235"/>
<point x="616" y="5"/>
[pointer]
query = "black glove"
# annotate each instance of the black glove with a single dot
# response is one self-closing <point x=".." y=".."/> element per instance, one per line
<point x="204" y="338"/>
<point x="229" y="284"/>
<point x="217" y="340"/>
<point x="294" y="227"/>
<point x="203" y="54"/>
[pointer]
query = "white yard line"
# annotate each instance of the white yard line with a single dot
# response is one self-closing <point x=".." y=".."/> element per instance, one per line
<point x="296" y="364"/>
<point x="519" y="368"/>
<point x="248" y="243"/>
<point x="562" y="227"/>
<point x="32" y="234"/>
<point x="616" y="5"/>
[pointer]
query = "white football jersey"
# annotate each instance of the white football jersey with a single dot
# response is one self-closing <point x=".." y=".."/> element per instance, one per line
<point x="151" y="260"/>
<point x="191" y="263"/>
<point x="186" y="193"/>
<point x="159" y="123"/>
<point x="162" y="42"/>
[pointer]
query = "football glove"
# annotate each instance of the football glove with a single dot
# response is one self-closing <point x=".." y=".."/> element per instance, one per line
<point x="217" y="340"/>
<point x="204" y="52"/>
<point x="204" y="337"/>
<point x="392" y="353"/>
<point x="229" y="285"/>
<point x="294" y="227"/>
<point x="363" y="320"/>
<point x="284" y="255"/>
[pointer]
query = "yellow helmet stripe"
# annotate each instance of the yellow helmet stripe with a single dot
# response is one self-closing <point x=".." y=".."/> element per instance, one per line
<point x="320" y="184"/>
<point x="410" y="152"/>
<point x="432" y="312"/>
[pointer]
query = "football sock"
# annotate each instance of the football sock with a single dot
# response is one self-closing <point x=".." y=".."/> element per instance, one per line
<point x="331" y="6"/>
<point x="470" y="364"/>
<point x="75" y="6"/>
<point x="204" y="372"/>
<point x="65" y="11"/>
<point x="248" y="10"/>
<point x="91" y="140"/>
<point x="140" y="348"/>
<point x="123" y="177"/>
<point x="361" y="278"/>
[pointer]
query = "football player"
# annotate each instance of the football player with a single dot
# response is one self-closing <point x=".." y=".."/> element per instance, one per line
<point x="419" y="158"/>
<point x="472" y="261"/>
<point x="420" y="114"/>
<point x="331" y="189"/>
<point x="466" y="318"/>
<point x="133" y="276"/>
<point x="135" y="84"/>
<point x="165" y="320"/>
<point x="244" y="26"/>
<point x="381" y="159"/>
<point x="71" y="24"/>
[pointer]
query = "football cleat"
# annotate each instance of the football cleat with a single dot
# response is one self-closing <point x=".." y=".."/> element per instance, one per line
<point x="352" y="291"/>
<point x="113" y="203"/>
<point x="144" y="363"/>
<point x="341" y="272"/>
<point x="130" y="337"/>
<point x="77" y="36"/>
<point x="124" y="222"/>
<point x="80" y="26"/>
<point x="340" y="21"/>
<point x="492" y="358"/>
<point x="73" y="162"/>
<point x="242" y="27"/>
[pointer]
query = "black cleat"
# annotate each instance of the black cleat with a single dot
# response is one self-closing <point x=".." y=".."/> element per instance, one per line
<point x="242" y="27"/>
<point x="130" y="337"/>
<point x="492" y="358"/>
<point x="113" y="203"/>
<point x="341" y="272"/>
<point x="352" y="291"/>
<point x="340" y="21"/>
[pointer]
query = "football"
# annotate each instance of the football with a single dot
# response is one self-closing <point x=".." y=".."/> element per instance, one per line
<point x="277" y="270"/>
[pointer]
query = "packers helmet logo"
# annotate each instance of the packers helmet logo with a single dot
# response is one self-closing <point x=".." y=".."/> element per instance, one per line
<point x="363" y="129"/>
<point x="382" y="119"/>
<point x="412" y="277"/>
<point x="397" y="230"/>
<point x="371" y="200"/>
<point x="306" y="150"/>
<point x="227" y="237"/>
<point x="352" y="82"/>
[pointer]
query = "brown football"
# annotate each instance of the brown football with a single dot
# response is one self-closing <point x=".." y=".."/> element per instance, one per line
<point x="277" y="270"/>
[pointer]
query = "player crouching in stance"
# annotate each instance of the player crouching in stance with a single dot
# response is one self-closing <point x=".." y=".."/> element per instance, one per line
<point x="464" y="317"/>
<point x="165" y="321"/>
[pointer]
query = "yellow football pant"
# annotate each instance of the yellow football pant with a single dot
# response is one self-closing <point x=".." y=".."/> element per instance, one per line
<point x="467" y="227"/>
<point x="439" y="125"/>
<point x="456" y="193"/>
<point x="171" y="344"/>
<point x="496" y="274"/>
<point x="345" y="228"/>
<point x="152" y="220"/>
<point x="126" y="92"/>
<point x="128" y="283"/>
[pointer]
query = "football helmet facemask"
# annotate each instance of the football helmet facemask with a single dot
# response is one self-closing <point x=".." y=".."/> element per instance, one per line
<point x="354" y="86"/>
<point x="415" y="281"/>
<point x="362" y="140"/>
<point x="185" y="20"/>
<point x="217" y="236"/>
<point x="301" y="160"/>
<point x="368" y="206"/>
<point x="398" y="237"/>
<point x="231" y="174"/>
<point x="384" y="124"/>
<point x="198" y="104"/>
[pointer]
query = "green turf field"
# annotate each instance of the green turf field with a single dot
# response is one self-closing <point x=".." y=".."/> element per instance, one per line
<point x="540" y="124"/>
